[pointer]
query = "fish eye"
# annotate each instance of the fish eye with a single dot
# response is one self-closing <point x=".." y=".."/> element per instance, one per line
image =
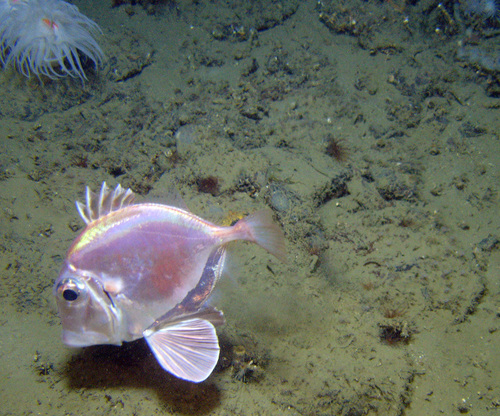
<point x="69" y="294"/>
<point x="71" y="289"/>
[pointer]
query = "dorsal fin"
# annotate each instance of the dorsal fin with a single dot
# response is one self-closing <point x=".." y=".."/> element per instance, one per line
<point x="166" y="192"/>
<point x="99" y="205"/>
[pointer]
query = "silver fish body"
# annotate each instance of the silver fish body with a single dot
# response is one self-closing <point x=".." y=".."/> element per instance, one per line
<point x="146" y="270"/>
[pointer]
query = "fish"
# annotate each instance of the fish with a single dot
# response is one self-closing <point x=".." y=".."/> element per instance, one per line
<point x="146" y="270"/>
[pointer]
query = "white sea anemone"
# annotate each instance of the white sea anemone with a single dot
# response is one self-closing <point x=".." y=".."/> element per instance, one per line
<point x="47" y="37"/>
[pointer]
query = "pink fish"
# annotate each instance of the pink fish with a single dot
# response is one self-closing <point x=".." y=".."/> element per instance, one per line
<point x="147" y="270"/>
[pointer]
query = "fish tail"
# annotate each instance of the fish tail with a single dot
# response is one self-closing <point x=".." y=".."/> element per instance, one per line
<point x="261" y="229"/>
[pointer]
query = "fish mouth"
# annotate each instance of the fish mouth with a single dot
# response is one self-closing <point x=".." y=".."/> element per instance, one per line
<point x="78" y="339"/>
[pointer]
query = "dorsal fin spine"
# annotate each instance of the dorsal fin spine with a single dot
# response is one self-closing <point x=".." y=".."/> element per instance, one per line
<point x="106" y="201"/>
<point x="104" y="190"/>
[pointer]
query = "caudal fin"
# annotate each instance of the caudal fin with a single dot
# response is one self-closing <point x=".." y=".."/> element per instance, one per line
<point x="265" y="232"/>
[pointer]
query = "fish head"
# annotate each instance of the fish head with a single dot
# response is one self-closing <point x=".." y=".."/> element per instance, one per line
<point x="88" y="313"/>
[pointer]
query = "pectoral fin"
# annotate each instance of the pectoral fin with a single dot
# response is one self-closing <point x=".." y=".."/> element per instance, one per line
<point x="189" y="349"/>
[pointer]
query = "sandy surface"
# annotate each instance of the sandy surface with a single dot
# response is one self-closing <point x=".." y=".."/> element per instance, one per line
<point x="389" y="302"/>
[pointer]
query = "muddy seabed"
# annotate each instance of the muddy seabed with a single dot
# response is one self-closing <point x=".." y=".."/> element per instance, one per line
<point x="389" y="302"/>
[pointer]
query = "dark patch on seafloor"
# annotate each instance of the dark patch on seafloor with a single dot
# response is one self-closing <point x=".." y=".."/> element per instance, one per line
<point x="132" y="365"/>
